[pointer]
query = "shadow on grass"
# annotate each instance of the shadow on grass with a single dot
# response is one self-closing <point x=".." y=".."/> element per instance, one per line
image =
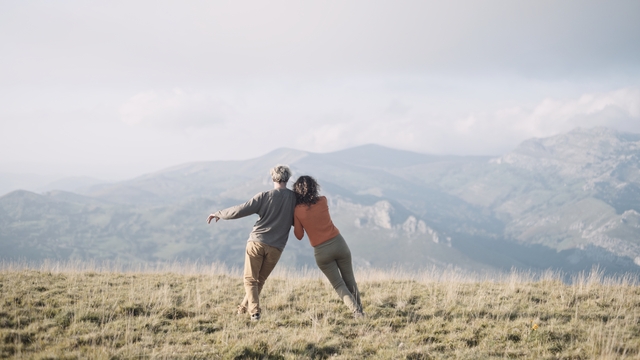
<point x="259" y="351"/>
<point x="312" y="351"/>
<point x="248" y="353"/>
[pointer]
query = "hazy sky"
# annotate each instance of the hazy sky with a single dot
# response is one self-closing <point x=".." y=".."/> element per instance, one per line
<point x="114" y="89"/>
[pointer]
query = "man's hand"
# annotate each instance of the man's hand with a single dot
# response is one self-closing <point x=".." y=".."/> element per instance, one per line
<point x="211" y="217"/>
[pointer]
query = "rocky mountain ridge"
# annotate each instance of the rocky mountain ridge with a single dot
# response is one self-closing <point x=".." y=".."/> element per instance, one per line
<point x="565" y="202"/>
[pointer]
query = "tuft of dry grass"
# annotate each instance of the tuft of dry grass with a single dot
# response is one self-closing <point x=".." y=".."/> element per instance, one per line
<point x="70" y="311"/>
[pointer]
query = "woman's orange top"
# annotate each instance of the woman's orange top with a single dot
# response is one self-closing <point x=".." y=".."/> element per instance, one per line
<point x="316" y="221"/>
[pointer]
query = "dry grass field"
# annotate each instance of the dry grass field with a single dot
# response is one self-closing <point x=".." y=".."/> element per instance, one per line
<point x="75" y="311"/>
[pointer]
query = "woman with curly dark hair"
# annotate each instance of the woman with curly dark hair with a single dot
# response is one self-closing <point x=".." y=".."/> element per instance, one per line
<point x="331" y="251"/>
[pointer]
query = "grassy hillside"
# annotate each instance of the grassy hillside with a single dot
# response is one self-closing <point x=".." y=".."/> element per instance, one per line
<point x="76" y="312"/>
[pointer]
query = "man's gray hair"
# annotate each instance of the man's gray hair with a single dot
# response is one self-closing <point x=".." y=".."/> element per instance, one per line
<point x="280" y="173"/>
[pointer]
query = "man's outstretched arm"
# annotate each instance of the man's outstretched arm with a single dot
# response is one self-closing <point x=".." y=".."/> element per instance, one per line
<point x="235" y="212"/>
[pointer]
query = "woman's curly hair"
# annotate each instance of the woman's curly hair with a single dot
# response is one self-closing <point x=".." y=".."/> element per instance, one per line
<point x="306" y="189"/>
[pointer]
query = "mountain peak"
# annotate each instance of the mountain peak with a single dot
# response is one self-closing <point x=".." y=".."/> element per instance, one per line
<point x="284" y="156"/>
<point x="574" y="145"/>
<point x="581" y="153"/>
<point x="285" y="152"/>
<point x="379" y="156"/>
<point x="20" y="194"/>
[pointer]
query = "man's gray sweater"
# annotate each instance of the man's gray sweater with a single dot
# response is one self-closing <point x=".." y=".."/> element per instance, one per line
<point x="275" y="209"/>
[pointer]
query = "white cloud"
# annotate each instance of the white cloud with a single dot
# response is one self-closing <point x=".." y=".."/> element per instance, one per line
<point x="483" y="132"/>
<point x="615" y="109"/>
<point x="618" y="109"/>
<point x="500" y="130"/>
<point x="175" y="109"/>
<point x="318" y="76"/>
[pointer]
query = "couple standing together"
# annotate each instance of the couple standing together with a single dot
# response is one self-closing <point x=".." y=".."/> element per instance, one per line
<point x="305" y="210"/>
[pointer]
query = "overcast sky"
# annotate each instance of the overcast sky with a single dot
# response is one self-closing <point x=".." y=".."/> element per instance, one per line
<point x="115" y="89"/>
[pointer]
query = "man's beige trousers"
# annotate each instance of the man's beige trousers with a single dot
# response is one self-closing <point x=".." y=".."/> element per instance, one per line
<point x="259" y="261"/>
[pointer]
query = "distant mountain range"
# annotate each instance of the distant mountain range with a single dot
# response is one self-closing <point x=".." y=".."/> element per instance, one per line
<point x="567" y="202"/>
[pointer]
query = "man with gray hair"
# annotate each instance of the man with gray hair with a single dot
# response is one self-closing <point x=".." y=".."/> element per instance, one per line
<point x="269" y="235"/>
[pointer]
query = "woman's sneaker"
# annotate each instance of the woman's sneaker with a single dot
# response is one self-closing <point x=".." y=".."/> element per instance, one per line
<point x="255" y="317"/>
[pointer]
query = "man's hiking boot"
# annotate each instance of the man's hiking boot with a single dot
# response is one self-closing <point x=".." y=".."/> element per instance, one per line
<point x="255" y="317"/>
<point x="242" y="310"/>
